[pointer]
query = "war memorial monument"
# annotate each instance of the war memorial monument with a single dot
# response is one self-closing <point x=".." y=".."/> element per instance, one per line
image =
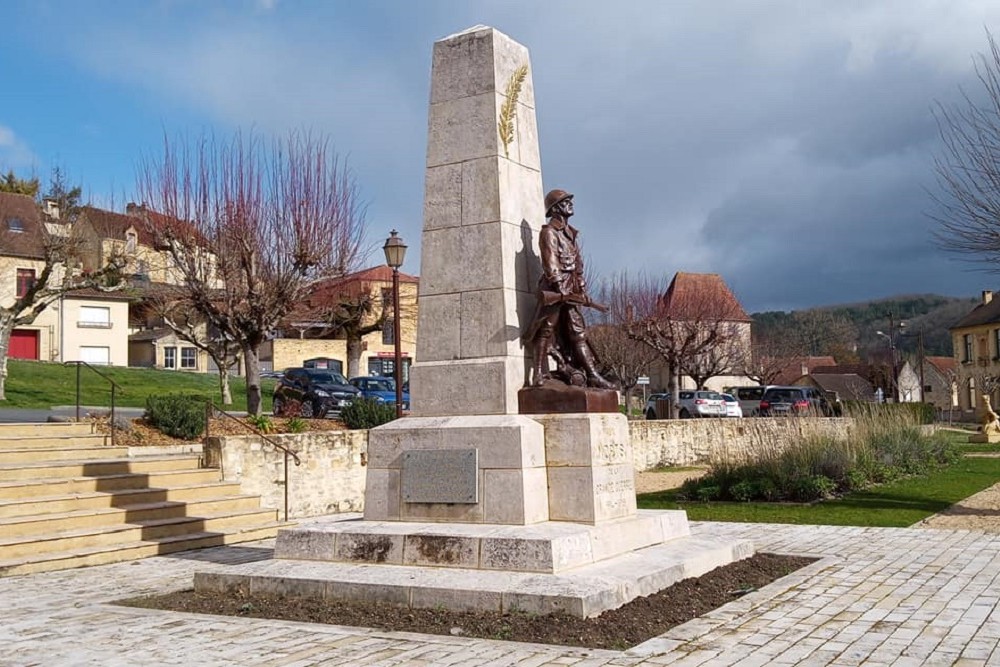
<point x="511" y="485"/>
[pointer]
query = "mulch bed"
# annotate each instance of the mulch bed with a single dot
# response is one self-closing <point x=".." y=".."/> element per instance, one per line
<point x="617" y="629"/>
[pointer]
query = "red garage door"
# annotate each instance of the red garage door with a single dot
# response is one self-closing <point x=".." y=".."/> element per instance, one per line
<point x="23" y="344"/>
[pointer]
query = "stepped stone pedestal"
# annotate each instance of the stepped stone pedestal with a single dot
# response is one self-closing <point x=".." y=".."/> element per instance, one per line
<point x="469" y="504"/>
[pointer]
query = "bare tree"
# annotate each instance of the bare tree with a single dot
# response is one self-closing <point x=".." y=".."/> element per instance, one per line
<point x="968" y="167"/>
<point x="622" y="357"/>
<point x="53" y="257"/>
<point x="769" y="357"/>
<point x="679" y="325"/>
<point x="250" y="227"/>
<point x="169" y="305"/>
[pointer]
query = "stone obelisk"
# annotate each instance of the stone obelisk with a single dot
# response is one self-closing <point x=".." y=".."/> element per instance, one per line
<point x="482" y="216"/>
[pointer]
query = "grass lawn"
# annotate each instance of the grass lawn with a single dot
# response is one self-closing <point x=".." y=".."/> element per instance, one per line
<point x="34" y="384"/>
<point x="900" y="503"/>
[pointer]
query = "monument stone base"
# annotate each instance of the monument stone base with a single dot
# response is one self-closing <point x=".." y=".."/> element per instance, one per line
<point x="545" y="568"/>
<point x="984" y="437"/>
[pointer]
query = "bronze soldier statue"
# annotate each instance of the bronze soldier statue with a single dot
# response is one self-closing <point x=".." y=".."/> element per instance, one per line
<point x="558" y="329"/>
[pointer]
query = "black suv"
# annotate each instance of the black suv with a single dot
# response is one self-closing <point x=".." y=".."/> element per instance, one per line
<point x="311" y="392"/>
<point x="794" y="401"/>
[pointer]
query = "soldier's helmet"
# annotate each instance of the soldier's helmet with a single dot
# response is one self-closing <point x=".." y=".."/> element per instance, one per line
<point x="553" y="198"/>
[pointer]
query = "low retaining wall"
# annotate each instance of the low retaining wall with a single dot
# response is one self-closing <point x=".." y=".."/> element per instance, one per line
<point x="332" y="475"/>
<point x="331" y="478"/>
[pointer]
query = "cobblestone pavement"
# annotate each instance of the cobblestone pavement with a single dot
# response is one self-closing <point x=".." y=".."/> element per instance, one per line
<point x="879" y="596"/>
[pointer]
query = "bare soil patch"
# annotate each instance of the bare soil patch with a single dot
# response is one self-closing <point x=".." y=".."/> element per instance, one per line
<point x="653" y="481"/>
<point x="617" y="629"/>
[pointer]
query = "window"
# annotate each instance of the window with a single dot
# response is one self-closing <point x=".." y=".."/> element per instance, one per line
<point x="170" y="357"/>
<point x="189" y="357"/>
<point x="95" y="355"/>
<point x="972" y="393"/>
<point x="95" y="317"/>
<point x="967" y="342"/>
<point x="25" y="279"/>
<point x="15" y="225"/>
<point x="130" y="241"/>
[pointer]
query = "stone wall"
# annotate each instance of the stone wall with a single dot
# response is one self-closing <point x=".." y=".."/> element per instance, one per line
<point x="332" y="475"/>
<point x="330" y="479"/>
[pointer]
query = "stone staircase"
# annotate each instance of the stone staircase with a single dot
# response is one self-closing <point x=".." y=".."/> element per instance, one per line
<point x="69" y="499"/>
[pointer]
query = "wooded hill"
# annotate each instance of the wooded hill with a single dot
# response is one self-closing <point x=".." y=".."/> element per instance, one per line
<point x="847" y="332"/>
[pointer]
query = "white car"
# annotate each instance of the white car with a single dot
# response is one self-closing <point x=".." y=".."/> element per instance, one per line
<point x="733" y="408"/>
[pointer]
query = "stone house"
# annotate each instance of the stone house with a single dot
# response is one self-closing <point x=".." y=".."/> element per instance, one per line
<point x="941" y="382"/>
<point x="704" y="298"/>
<point x="307" y="336"/>
<point x="84" y="325"/>
<point x="976" y="344"/>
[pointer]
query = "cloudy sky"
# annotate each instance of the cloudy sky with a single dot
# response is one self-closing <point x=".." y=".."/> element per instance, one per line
<point x="787" y="145"/>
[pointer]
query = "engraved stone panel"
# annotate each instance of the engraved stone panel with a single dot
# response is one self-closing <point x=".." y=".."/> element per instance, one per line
<point x="441" y="476"/>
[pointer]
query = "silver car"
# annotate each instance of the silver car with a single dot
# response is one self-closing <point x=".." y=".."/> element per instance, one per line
<point x="691" y="404"/>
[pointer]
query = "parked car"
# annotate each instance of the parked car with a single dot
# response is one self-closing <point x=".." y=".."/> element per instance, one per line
<point x="749" y="398"/>
<point x="382" y="389"/>
<point x="794" y="401"/>
<point x="733" y="408"/>
<point x="316" y="391"/>
<point x="691" y="404"/>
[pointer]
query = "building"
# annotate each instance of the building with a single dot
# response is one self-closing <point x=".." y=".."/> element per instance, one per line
<point x="705" y="301"/>
<point x="81" y="325"/>
<point x="308" y="333"/>
<point x="842" y="386"/>
<point x="941" y="382"/>
<point x="976" y="342"/>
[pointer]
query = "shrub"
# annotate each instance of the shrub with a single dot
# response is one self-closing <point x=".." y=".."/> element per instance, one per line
<point x="297" y="425"/>
<point x="262" y="423"/>
<point x="743" y="491"/>
<point x="177" y="415"/>
<point x="706" y="493"/>
<point x="364" y="413"/>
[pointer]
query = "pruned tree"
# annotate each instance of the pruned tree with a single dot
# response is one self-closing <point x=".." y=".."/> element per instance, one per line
<point x="680" y="324"/>
<point x="249" y="227"/>
<point x="621" y="357"/>
<point x="968" y="167"/>
<point x="54" y="272"/>
<point x="168" y="304"/>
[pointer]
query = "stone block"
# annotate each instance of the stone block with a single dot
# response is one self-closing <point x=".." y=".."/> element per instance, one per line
<point x="522" y="263"/>
<point x="300" y="545"/>
<point x="485" y="386"/>
<point x="384" y="593"/>
<point x="456" y="600"/>
<point x="288" y="586"/>
<point x="369" y="548"/>
<point x="436" y="550"/>
<point x="515" y="496"/>
<point x="443" y="196"/>
<point x="463" y="129"/>
<point x="462" y="65"/>
<point x="482" y="191"/>
<point x="491" y="324"/>
<point x="439" y="322"/>
<point x="461" y="259"/>
<point x="382" y="494"/>
<point x="984" y="437"/>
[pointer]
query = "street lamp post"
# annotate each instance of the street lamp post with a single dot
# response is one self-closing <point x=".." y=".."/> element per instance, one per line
<point x="891" y="337"/>
<point x="395" y="252"/>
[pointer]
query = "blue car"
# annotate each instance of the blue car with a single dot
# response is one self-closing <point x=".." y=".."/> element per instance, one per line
<point x="382" y="389"/>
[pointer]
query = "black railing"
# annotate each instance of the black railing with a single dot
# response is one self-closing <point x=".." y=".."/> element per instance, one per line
<point x="212" y="409"/>
<point x="114" y="387"/>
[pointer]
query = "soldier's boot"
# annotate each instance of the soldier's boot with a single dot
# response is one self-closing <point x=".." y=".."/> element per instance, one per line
<point x="586" y="357"/>
<point x="540" y="372"/>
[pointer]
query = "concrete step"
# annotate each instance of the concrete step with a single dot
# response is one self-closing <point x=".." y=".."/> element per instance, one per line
<point x="55" y="441"/>
<point x="96" y="467"/>
<point x="46" y="429"/>
<point x="28" y="504"/>
<point x="145" y="530"/>
<point x="101" y="555"/>
<point x="27" y="489"/>
<point x="83" y="519"/>
<point x="34" y="455"/>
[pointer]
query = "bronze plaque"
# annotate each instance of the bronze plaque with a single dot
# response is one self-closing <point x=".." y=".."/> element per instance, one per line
<point x="440" y="476"/>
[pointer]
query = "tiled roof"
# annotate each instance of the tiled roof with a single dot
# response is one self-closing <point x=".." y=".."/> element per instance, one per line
<point x="92" y="293"/>
<point x="702" y="296"/>
<point x="984" y="313"/>
<point x="849" y="386"/>
<point x="945" y="365"/>
<point x="149" y="334"/>
<point x="111" y="225"/>
<point x="380" y="273"/>
<point x="21" y="212"/>
<point x="799" y="366"/>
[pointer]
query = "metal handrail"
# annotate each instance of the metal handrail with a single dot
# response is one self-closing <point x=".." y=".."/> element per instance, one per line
<point x="114" y="386"/>
<point x="211" y="408"/>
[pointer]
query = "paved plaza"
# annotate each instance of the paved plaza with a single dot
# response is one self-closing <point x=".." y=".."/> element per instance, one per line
<point x="879" y="596"/>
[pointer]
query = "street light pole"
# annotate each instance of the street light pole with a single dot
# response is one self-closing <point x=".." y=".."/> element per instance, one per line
<point x="395" y="252"/>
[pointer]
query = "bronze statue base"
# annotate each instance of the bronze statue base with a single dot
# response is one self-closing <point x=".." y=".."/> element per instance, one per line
<point x="556" y="397"/>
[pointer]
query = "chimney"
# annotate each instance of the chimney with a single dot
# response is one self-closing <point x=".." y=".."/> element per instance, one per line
<point x="51" y="209"/>
<point x="987" y="296"/>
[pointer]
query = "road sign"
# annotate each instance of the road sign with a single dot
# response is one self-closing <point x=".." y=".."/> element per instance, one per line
<point x="643" y="379"/>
